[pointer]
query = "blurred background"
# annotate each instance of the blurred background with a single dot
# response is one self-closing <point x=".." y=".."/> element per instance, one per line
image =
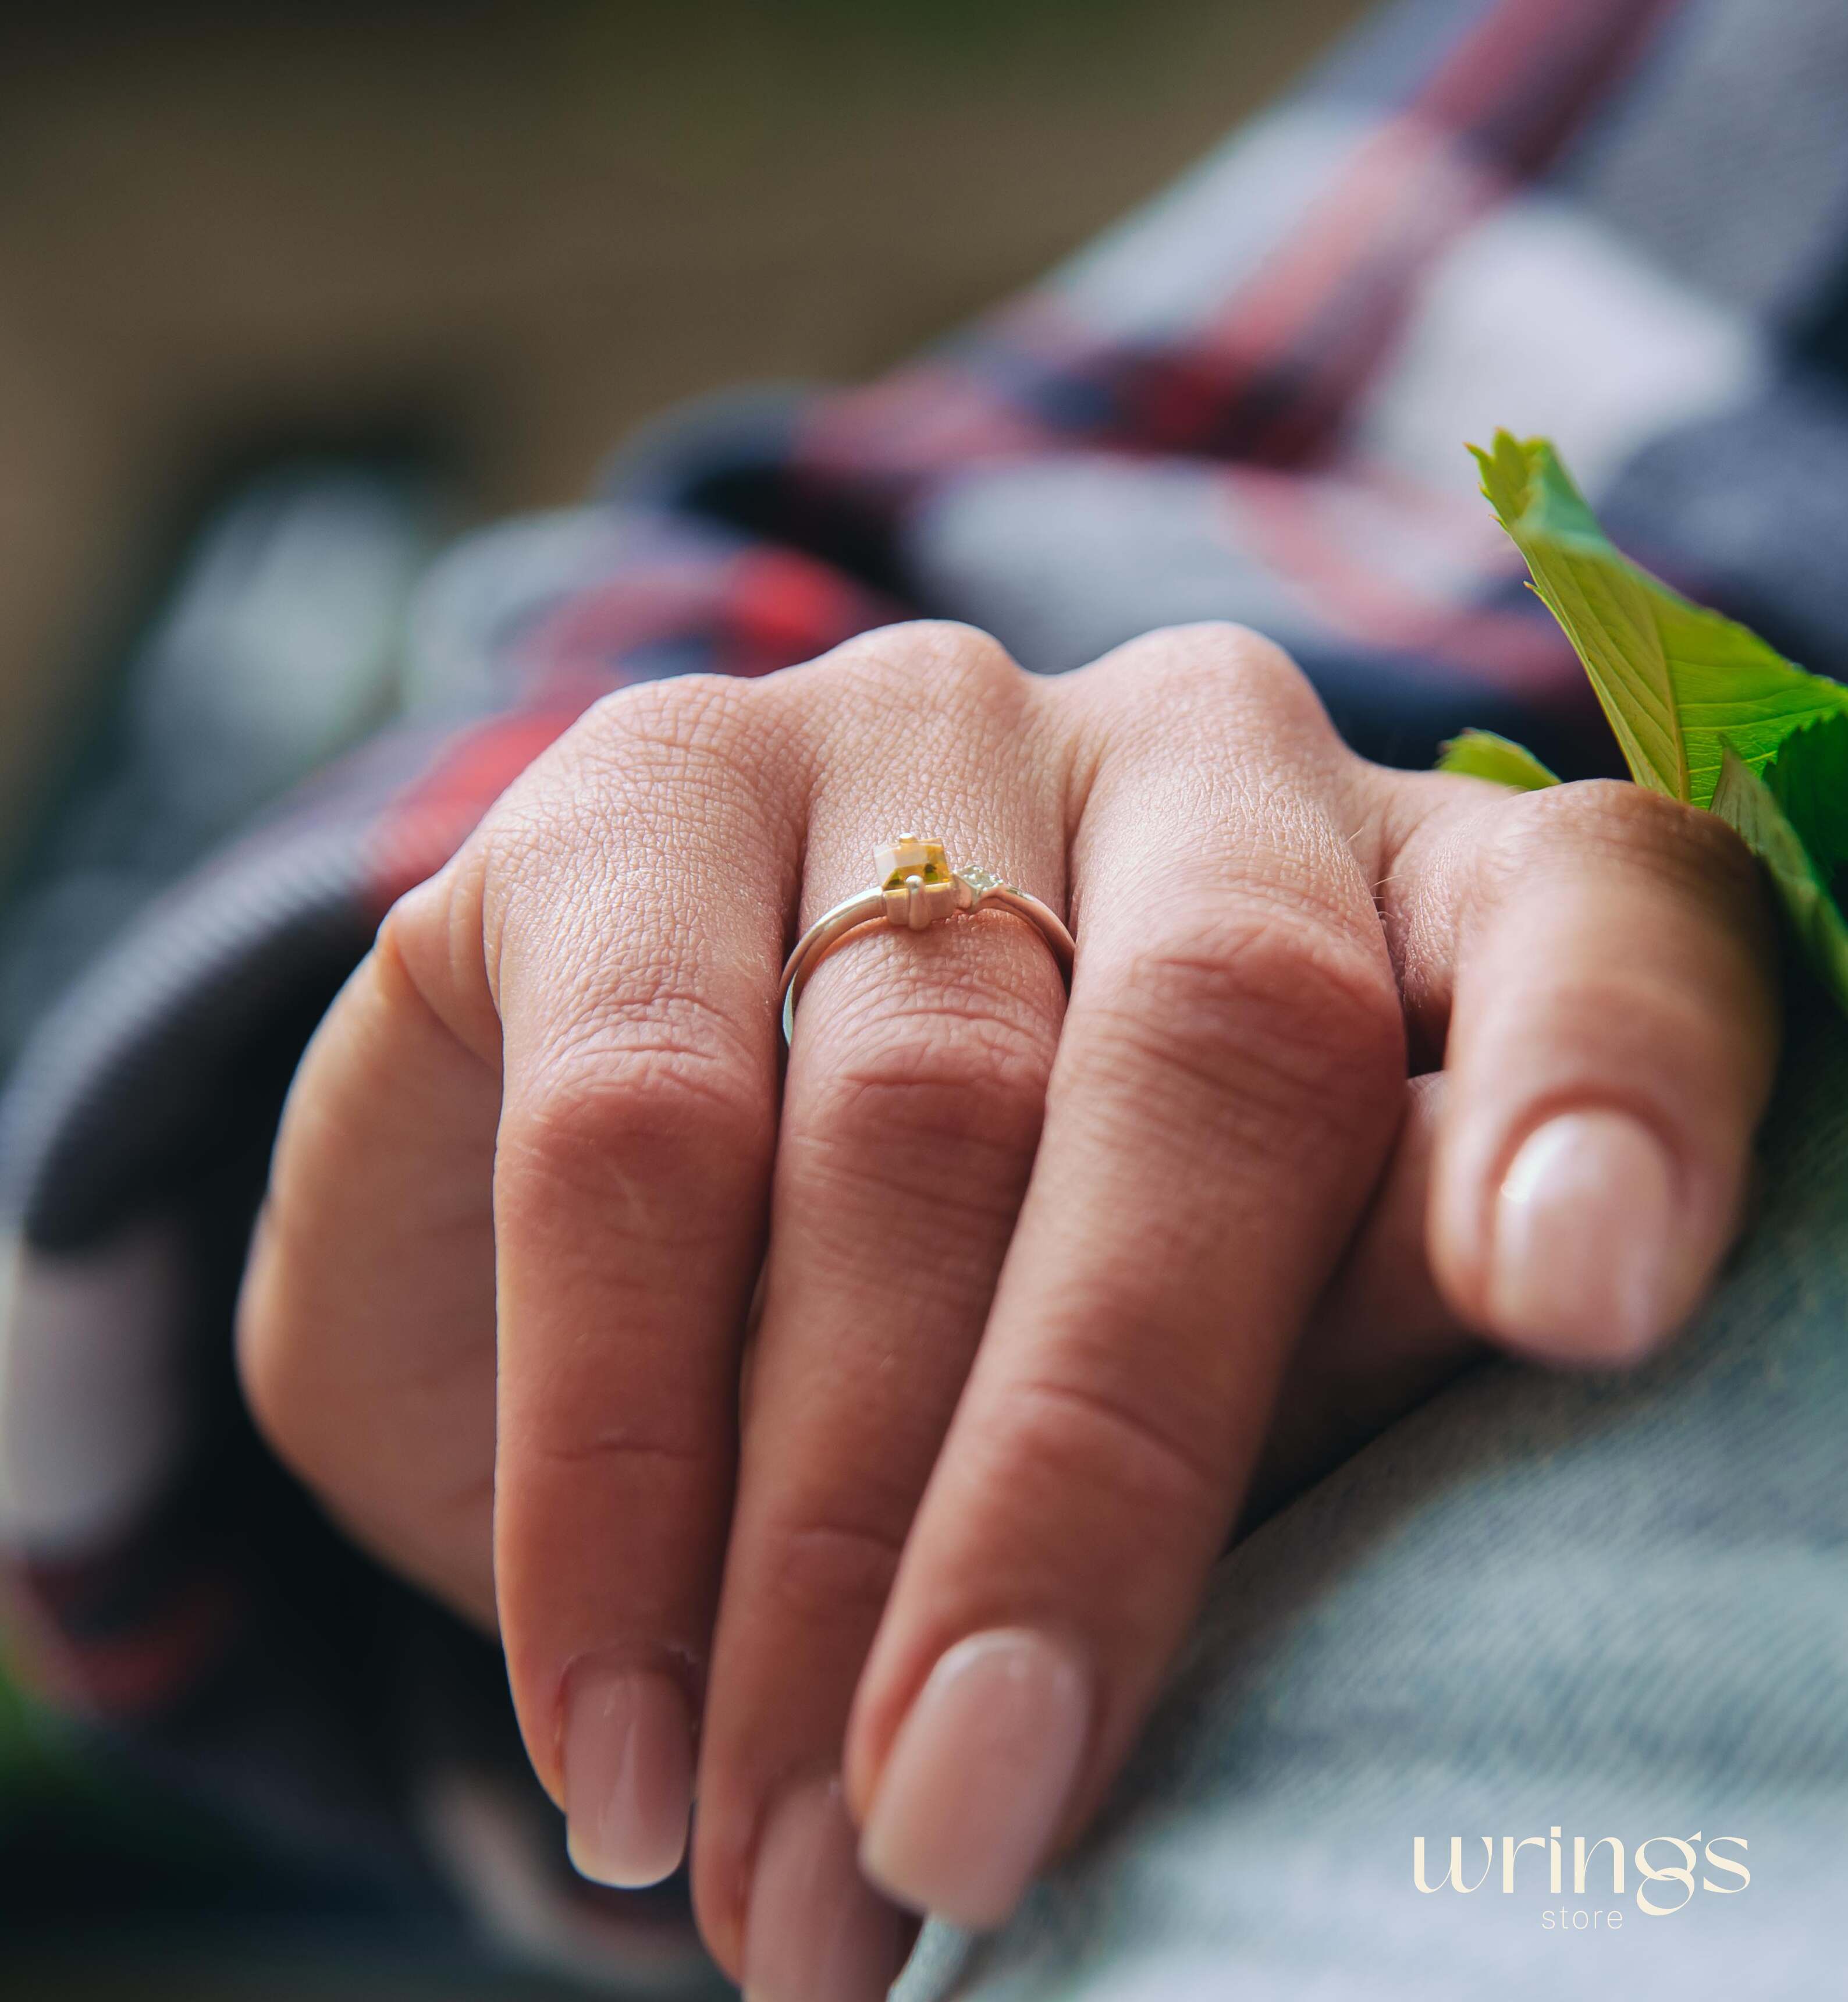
<point x="499" y="234"/>
<point x="289" y="296"/>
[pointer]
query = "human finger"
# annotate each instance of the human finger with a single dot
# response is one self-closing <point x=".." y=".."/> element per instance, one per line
<point x="1597" y="962"/>
<point x="1226" y="1088"/>
<point x="589" y="952"/>
<point x="912" y="1110"/>
<point x="1381" y="1340"/>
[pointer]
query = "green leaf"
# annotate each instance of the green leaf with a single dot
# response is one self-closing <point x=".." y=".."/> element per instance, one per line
<point x="1704" y="709"/>
<point x="1808" y="778"/>
<point x="1677" y="681"/>
<point x="1749" y="804"/>
<point x="1480" y="754"/>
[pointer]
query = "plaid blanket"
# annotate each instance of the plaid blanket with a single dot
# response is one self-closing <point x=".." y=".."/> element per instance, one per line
<point x="1622" y="222"/>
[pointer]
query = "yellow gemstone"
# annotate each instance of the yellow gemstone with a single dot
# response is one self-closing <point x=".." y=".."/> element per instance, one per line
<point x="910" y="855"/>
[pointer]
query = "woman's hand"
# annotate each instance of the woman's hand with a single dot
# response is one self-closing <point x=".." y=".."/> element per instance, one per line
<point x="1033" y="1272"/>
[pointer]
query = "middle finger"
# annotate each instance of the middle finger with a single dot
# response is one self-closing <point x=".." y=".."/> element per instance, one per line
<point x="1229" y="1079"/>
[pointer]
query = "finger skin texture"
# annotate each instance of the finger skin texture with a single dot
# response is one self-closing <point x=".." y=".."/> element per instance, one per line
<point x="901" y="1568"/>
<point x="1226" y="1092"/>
<point x="629" y="975"/>
<point x="366" y="1327"/>
<point x="913" y="1106"/>
<point x="1601" y="963"/>
<point x="1381" y="1339"/>
<point x="586" y="984"/>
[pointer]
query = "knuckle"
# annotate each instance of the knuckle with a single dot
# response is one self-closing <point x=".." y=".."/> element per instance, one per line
<point x="1171" y="691"/>
<point x="827" y="1567"/>
<point x="955" y="1079"/>
<point x="1211" y="646"/>
<point x="427" y="963"/>
<point x="665" y="1113"/>
<point x="1280" y="1014"/>
<point x="581" y="1439"/>
<point x="961" y="667"/>
<point x="1606" y="820"/>
<point x="640" y="760"/>
<point x="413" y="933"/>
<point x="1058" y="1436"/>
<point x="1211" y="658"/>
<point x="688" y="714"/>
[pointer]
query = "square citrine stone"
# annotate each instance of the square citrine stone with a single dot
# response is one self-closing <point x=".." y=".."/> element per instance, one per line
<point x="910" y="855"/>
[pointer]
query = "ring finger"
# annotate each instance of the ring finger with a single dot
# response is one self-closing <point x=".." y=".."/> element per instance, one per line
<point x="912" y="1111"/>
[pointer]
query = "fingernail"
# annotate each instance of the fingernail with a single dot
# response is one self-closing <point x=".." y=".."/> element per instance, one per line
<point x="817" y="1931"/>
<point x="978" y="1776"/>
<point x="629" y="1775"/>
<point x="1583" y="1263"/>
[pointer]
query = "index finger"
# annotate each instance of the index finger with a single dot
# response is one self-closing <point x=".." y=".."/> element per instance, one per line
<point x="1597" y="962"/>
